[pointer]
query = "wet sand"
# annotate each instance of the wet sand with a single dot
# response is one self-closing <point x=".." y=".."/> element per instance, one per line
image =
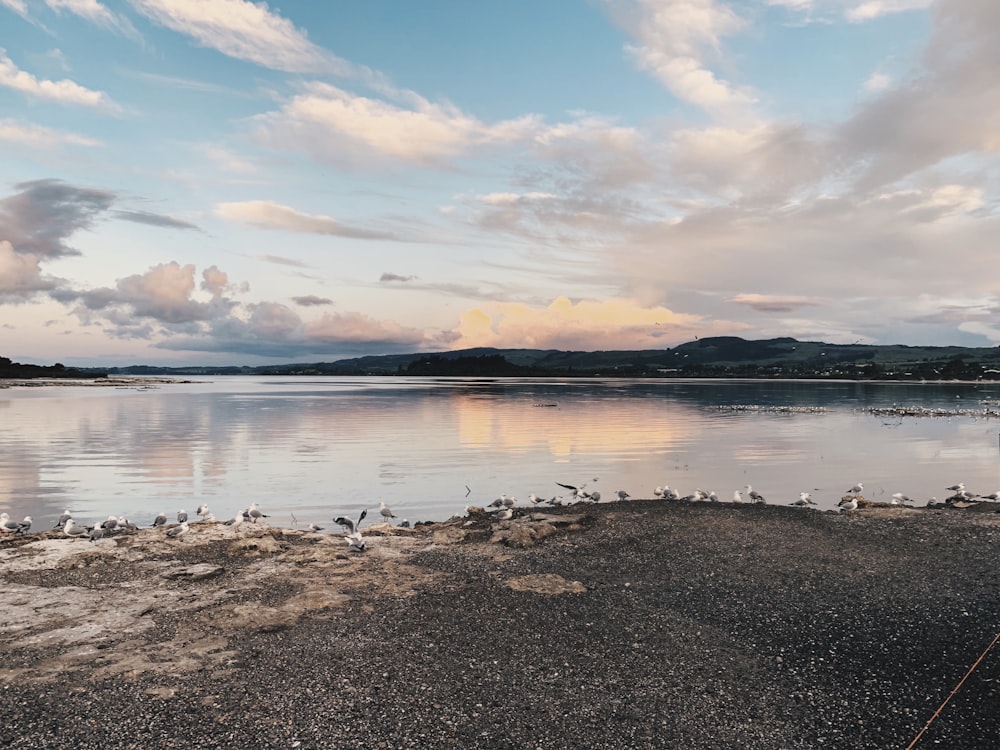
<point x="645" y="624"/>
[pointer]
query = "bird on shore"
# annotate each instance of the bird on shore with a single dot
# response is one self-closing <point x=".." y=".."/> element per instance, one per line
<point x="350" y="525"/>
<point x="898" y="498"/>
<point x="754" y="495"/>
<point x="737" y="496"/>
<point x="385" y="512"/>
<point x="203" y="512"/>
<point x="176" y="532"/>
<point x="622" y="496"/>
<point x="315" y="527"/>
<point x="848" y="503"/>
<point x="110" y="524"/>
<point x="960" y="487"/>
<point x="127" y="525"/>
<point x="161" y="518"/>
<point x="7" y="525"/>
<point x="96" y="534"/>
<point x="182" y="516"/>
<point x="991" y="496"/>
<point x="24" y="526"/>
<point x="254" y="513"/>
<point x="66" y="515"/>
<point x="355" y="542"/>
<point x="505" y="514"/>
<point x="658" y="492"/>
<point x="74" y="531"/>
<point x="804" y="499"/>
<point x="856" y="489"/>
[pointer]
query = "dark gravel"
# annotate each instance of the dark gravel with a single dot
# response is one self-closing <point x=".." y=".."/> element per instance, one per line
<point x="702" y="626"/>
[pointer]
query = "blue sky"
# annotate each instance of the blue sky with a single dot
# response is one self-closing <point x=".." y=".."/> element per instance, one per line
<point x="222" y="181"/>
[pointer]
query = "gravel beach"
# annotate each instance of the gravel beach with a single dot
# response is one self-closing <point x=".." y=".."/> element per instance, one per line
<point x="645" y="624"/>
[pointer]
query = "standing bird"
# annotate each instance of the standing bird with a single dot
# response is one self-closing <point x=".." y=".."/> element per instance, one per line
<point x="737" y="496"/>
<point x="161" y="518"/>
<point x="66" y="516"/>
<point x="898" y="498"/>
<point x="24" y="527"/>
<point x="804" y="499"/>
<point x="856" y="489"/>
<point x="754" y="495"/>
<point x="386" y="513"/>
<point x="622" y="495"/>
<point x="254" y="513"/>
<point x="182" y="516"/>
<point x="956" y="488"/>
<point x="203" y="512"/>
<point x="848" y="503"/>
<point x="176" y="532"/>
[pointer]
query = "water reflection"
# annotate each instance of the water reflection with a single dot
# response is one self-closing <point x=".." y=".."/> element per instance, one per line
<point x="319" y="447"/>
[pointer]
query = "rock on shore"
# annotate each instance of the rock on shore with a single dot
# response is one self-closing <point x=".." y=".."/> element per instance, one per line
<point x="645" y="624"/>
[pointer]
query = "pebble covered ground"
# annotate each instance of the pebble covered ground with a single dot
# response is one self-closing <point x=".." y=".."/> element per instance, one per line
<point x="645" y="624"/>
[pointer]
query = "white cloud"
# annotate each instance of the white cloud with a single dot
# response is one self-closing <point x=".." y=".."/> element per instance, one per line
<point x="40" y="137"/>
<point x="674" y="40"/>
<point x="64" y="91"/>
<point x="18" y="6"/>
<point x="246" y="31"/>
<point x="871" y="9"/>
<point x="878" y="82"/>
<point x="20" y="275"/>
<point x="336" y="125"/>
<point x="96" y="13"/>
<point x="267" y="215"/>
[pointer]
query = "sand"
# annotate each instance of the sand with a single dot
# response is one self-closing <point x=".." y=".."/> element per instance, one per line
<point x="645" y="624"/>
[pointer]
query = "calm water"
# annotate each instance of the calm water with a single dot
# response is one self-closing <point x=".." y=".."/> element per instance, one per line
<point x="319" y="447"/>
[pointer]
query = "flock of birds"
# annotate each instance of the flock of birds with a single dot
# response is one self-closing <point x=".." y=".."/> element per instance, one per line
<point x="500" y="509"/>
<point x="119" y="524"/>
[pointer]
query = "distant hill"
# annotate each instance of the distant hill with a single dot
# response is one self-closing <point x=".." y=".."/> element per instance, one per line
<point x="720" y="356"/>
<point x="16" y="371"/>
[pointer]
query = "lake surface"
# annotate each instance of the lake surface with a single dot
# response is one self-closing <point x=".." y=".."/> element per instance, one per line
<point x="309" y="449"/>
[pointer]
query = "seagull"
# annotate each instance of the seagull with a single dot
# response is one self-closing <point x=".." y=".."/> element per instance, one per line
<point x="355" y="542"/>
<point x="254" y="513"/>
<point x="737" y="496"/>
<point x="505" y="515"/>
<point x="956" y="488"/>
<point x="856" y="489"/>
<point x="203" y="512"/>
<point x="347" y="523"/>
<point x="595" y="496"/>
<point x="754" y="495"/>
<point x="315" y="527"/>
<point x="63" y="519"/>
<point x="991" y="496"/>
<point x="669" y="494"/>
<point x="7" y="524"/>
<point x="24" y="527"/>
<point x="578" y="492"/>
<point x="386" y="513"/>
<point x="535" y="499"/>
<point x="658" y="492"/>
<point x="176" y="532"/>
<point x="622" y="495"/>
<point x="237" y="519"/>
<point x="804" y="499"/>
<point x="182" y="516"/>
<point x="848" y="503"/>
<point x="161" y="518"/>
<point x="96" y="533"/>
<point x="111" y="524"/>
<point x="127" y="524"/>
<point x="70" y="529"/>
<point x="899" y="497"/>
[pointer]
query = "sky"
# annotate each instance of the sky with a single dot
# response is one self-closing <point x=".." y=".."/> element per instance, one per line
<point x="231" y="182"/>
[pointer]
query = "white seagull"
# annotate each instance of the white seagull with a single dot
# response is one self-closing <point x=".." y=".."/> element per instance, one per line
<point x="203" y="512"/>
<point x="856" y="489"/>
<point x="386" y="513"/>
<point x="804" y="499"/>
<point x="176" y="532"/>
<point x="161" y="518"/>
<point x="848" y="503"/>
